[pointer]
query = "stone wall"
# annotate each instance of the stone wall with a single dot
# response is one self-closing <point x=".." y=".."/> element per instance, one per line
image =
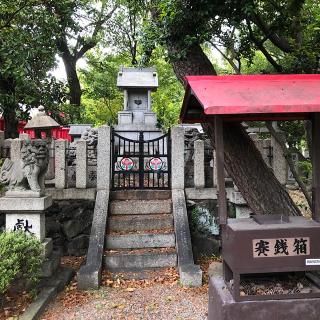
<point x="191" y="135"/>
<point x="204" y="229"/>
<point x="68" y="223"/>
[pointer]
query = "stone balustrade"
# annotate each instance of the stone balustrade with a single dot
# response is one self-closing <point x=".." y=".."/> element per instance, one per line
<point x="67" y="169"/>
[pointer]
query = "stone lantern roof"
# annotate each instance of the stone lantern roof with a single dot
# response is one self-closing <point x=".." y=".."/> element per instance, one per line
<point x="41" y="121"/>
<point x="137" y="78"/>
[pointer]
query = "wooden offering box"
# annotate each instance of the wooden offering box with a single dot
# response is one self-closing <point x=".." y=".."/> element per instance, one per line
<point x="270" y="244"/>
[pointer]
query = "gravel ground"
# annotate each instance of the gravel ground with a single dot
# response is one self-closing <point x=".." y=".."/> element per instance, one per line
<point x="158" y="301"/>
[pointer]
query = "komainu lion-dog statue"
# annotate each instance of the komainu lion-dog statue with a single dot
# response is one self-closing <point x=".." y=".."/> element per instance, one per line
<point x="27" y="173"/>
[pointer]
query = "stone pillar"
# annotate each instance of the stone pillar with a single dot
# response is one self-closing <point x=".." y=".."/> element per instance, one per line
<point x="177" y="157"/>
<point x="280" y="168"/>
<point x="60" y="164"/>
<point x="125" y="100"/>
<point x="104" y="158"/>
<point x="240" y="204"/>
<point x="149" y="100"/>
<point x="81" y="164"/>
<point x="15" y="152"/>
<point x="199" y="164"/>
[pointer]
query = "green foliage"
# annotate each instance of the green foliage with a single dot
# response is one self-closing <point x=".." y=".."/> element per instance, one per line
<point x="20" y="258"/>
<point x="295" y="133"/>
<point x="305" y="168"/>
<point x="167" y="100"/>
<point x="101" y="97"/>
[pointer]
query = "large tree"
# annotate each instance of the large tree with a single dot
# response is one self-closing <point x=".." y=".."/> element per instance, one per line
<point x="184" y="26"/>
<point x="27" y="53"/>
<point x="80" y="27"/>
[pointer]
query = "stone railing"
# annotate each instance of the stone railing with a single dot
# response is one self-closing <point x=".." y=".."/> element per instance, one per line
<point x="70" y="165"/>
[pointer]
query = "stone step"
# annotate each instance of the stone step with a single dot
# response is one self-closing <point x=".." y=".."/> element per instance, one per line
<point x="139" y="222"/>
<point x="147" y="273"/>
<point x="140" y="195"/>
<point x="135" y="241"/>
<point x="137" y="207"/>
<point x="139" y="260"/>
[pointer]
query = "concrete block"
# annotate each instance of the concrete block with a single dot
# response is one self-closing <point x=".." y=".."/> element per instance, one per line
<point x="24" y="194"/>
<point x="47" y="247"/>
<point x="190" y="275"/>
<point x="177" y="157"/>
<point x="30" y="223"/>
<point x="124" y="117"/>
<point x="103" y="161"/>
<point x="199" y="180"/>
<point x="60" y="164"/>
<point x="72" y="194"/>
<point x="140" y="207"/>
<point x="50" y="265"/>
<point x="243" y="211"/>
<point x="150" y="118"/>
<point x="124" y="261"/>
<point x="133" y="241"/>
<point x="237" y="198"/>
<point x="81" y="164"/>
<point x="9" y="204"/>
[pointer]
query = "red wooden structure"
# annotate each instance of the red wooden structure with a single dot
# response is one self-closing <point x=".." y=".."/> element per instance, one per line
<point x="221" y="99"/>
<point x="56" y="133"/>
<point x="251" y="97"/>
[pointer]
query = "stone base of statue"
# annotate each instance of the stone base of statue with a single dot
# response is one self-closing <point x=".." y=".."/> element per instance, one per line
<point x="25" y="211"/>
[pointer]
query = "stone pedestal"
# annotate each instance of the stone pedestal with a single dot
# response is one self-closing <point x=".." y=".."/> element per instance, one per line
<point x="25" y="213"/>
<point x="240" y="204"/>
<point x="223" y="307"/>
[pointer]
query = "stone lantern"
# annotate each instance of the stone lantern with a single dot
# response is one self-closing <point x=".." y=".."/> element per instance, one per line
<point x="41" y="122"/>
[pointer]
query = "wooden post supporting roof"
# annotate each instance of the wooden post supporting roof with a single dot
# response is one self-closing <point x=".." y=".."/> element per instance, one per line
<point x="316" y="166"/>
<point x="222" y="201"/>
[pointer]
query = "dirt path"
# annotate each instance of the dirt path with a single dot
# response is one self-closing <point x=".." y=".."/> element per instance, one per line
<point x="159" y="301"/>
<point x="160" y="297"/>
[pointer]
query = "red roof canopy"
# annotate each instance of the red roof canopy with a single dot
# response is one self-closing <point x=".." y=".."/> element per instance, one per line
<point x="251" y="97"/>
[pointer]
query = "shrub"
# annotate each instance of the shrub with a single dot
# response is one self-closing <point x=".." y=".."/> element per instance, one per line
<point x="20" y="259"/>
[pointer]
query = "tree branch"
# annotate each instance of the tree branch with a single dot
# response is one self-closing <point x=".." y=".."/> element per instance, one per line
<point x="230" y="60"/>
<point x="264" y="51"/>
<point x="278" y="41"/>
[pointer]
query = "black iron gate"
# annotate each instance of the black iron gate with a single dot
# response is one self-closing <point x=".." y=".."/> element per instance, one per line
<point x="141" y="164"/>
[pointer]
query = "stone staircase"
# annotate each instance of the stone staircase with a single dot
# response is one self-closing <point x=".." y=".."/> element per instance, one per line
<point x="140" y="232"/>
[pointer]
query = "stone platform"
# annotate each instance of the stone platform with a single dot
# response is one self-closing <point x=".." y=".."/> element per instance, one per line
<point x="223" y="307"/>
<point x="10" y="204"/>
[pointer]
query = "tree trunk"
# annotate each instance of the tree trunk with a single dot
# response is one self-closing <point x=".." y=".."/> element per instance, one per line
<point x="10" y="122"/>
<point x="255" y="180"/>
<point x="243" y="161"/>
<point x="194" y="62"/>
<point x="73" y="81"/>
<point x="7" y="87"/>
